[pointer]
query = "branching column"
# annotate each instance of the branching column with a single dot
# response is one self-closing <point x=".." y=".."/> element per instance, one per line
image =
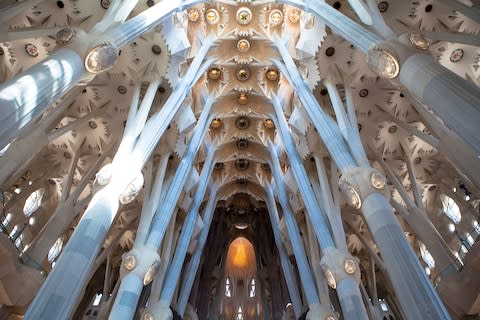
<point x="175" y="267"/>
<point x="284" y="260"/>
<point x="26" y="96"/>
<point x="333" y="260"/>
<point x="140" y="264"/>
<point x="58" y="295"/>
<point x="363" y="188"/>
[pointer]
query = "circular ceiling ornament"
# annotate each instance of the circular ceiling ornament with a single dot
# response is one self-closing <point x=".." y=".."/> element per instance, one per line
<point x="383" y="63"/>
<point x="392" y="129"/>
<point x="242" y="164"/>
<point x="268" y="123"/>
<point x="64" y="36"/>
<point x="31" y="50"/>
<point x="383" y="6"/>
<point x="122" y="89"/>
<point x="242" y="144"/>
<point x="242" y="99"/>
<point x="363" y="93"/>
<point x="330" y="51"/>
<point x="214" y="73"/>
<point x="105" y="4"/>
<point x="457" y="55"/>
<point x="156" y="49"/>
<point x="294" y="16"/>
<point x="216" y="123"/>
<point x="276" y="17"/>
<point x="419" y="42"/>
<point x="243" y="45"/>
<point x="242" y="123"/>
<point x="92" y="124"/>
<point x="193" y="15"/>
<point x="272" y="74"/>
<point x="101" y="58"/>
<point x="212" y="16"/>
<point x="244" y="16"/>
<point x="243" y="74"/>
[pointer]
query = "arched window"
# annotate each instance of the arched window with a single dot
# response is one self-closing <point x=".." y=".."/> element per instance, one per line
<point x="239" y="313"/>
<point x="228" y="292"/>
<point x="426" y="256"/>
<point x="451" y="209"/>
<point x="6" y="221"/>
<point x="33" y="202"/>
<point x="55" y="250"/>
<point x="252" y="288"/>
<point x="14" y="233"/>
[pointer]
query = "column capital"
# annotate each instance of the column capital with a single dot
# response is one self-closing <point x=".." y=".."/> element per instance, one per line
<point x="158" y="311"/>
<point x="141" y="260"/>
<point x="357" y="183"/>
<point x="320" y="312"/>
<point x="337" y="266"/>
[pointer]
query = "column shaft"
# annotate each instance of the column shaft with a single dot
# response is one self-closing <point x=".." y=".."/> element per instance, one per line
<point x="391" y="242"/>
<point x="194" y="263"/>
<point x="26" y="96"/>
<point x="440" y="89"/>
<point x="412" y="286"/>
<point x="187" y="231"/>
<point x="284" y="260"/>
<point x="125" y="308"/>
<point x="78" y="256"/>
<point x="300" y="256"/>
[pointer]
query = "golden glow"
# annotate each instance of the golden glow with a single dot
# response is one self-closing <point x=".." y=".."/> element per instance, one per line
<point x="193" y="15"/>
<point x="269" y="124"/>
<point x="214" y="73"/>
<point x="242" y="99"/>
<point x="216" y="123"/>
<point x="294" y="16"/>
<point x="272" y="74"/>
<point x="243" y="45"/>
<point x="212" y="16"/>
<point x="241" y="259"/>
<point x="276" y="17"/>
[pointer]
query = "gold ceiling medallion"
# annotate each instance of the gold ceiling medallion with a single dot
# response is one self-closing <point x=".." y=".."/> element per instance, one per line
<point x="294" y="16"/>
<point x="272" y="74"/>
<point x="268" y="123"/>
<point x="216" y="123"/>
<point x="242" y="123"/>
<point x="276" y="17"/>
<point x="244" y="15"/>
<point x="243" y="45"/>
<point x="214" y="74"/>
<point x="212" y="16"/>
<point x="193" y="15"/>
<point x="243" y="74"/>
<point x="242" y="99"/>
